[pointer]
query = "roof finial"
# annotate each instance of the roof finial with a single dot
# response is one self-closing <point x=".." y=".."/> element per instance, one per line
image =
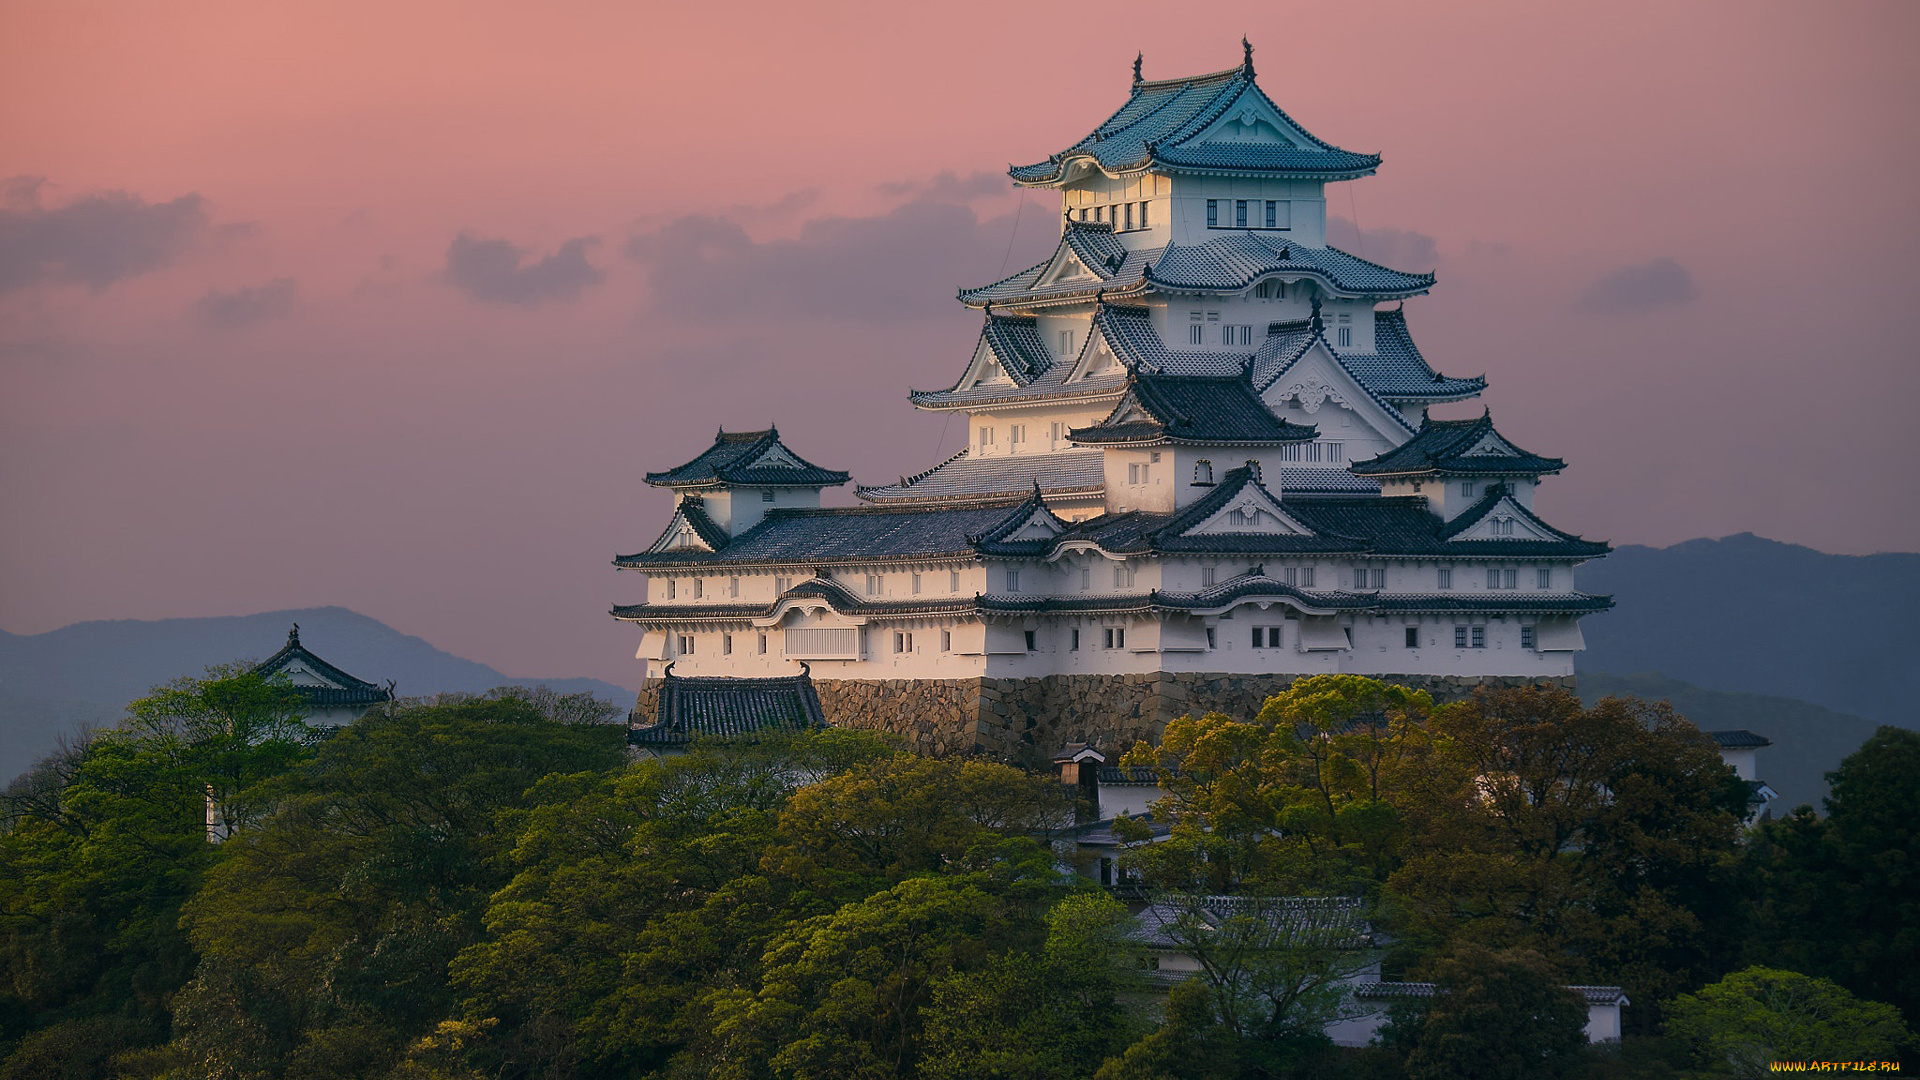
<point x="1247" y="61"/>
<point x="293" y="635"/>
<point x="1138" y="59"/>
<point x="1318" y="326"/>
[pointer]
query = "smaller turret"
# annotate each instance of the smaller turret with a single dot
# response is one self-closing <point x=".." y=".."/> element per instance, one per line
<point x="1453" y="463"/>
<point x="743" y="475"/>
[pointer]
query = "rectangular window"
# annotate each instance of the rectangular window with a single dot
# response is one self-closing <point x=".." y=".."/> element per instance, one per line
<point x="953" y="581"/>
<point x="1493" y="577"/>
<point x="672" y="588"/>
<point x="1346" y="335"/>
<point x="763" y="644"/>
<point x="899" y="642"/>
<point x="1196" y="332"/>
<point x="1030" y="641"/>
<point x="1120" y="638"/>
<point x="1210" y="641"/>
<point x="1213" y="213"/>
<point x="1016" y="435"/>
<point x="1123" y="576"/>
<point x="1109" y="637"/>
<point x="767" y="495"/>
<point x="1379" y="578"/>
<point x="1066" y="343"/>
<point x="1273" y="215"/>
<point x="1526" y="637"/>
<point x="1013" y="581"/>
<point x="1543" y="578"/>
<point x="726" y="644"/>
<point x="1240" y="213"/>
<point x="1312" y="451"/>
<point x="1143" y="215"/>
<point x="1054" y="431"/>
<point x="1133" y="473"/>
<point x="699" y="587"/>
<point x="1073" y="640"/>
<point x="1413" y="637"/>
<point x="1129" y="215"/>
<point x="986" y="438"/>
<point x="1512" y="578"/>
<point x="1466" y="489"/>
<point x="916" y="583"/>
<point x="1086" y="578"/>
<point x="686" y="644"/>
<point x="781" y="585"/>
<point x="1306" y="577"/>
<point x="1290" y="452"/>
<point x="1206" y="577"/>
<point x="1445" y="574"/>
<point x="1479" y="637"/>
<point x="733" y="586"/>
<point x="1359" y="577"/>
<point x="874" y="584"/>
<point x="1459" y="637"/>
<point x="946" y="641"/>
<point x="1336" y="453"/>
<point x="1273" y="637"/>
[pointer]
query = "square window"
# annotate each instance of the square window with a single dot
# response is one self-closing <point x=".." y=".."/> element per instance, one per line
<point x="1359" y="577"/>
<point x="1459" y="637"/>
<point x="1306" y="577"/>
<point x="1273" y="637"/>
<point x="874" y="584"/>
<point x="1479" y="637"/>
<point x="1543" y="578"/>
<point x="767" y="495"/>
<point x="1466" y="489"/>
<point x="1413" y="637"/>
<point x="1527" y="638"/>
<point x="1445" y="575"/>
<point x="1379" y="579"/>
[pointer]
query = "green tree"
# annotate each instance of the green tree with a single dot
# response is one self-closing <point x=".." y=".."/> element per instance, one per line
<point x="326" y="931"/>
<point x="1840" y="896"/>
<point x="1602" y="838"/>
<point x="234" y="730"/>
<point x="1761" y="1015"/>
<point x="1051" y="1014"/>
<point x="1498" y="1016"/>
<point x="1189" y="1044"/>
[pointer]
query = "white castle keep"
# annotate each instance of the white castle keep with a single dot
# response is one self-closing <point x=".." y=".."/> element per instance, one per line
<point x="1201" y="464"/>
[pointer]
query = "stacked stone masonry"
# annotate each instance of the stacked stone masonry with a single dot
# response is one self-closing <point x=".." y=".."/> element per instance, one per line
<point x="1023" y="720"/>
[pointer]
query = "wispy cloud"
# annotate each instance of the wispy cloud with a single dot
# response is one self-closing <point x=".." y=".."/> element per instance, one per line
<point x="222" y="309"/>
<point x="95" y="240"/>
<point x="1658" y="283"/>
<point x="496" y="271"/>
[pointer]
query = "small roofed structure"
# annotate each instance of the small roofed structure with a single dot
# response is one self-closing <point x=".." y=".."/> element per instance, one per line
<point x="333" y="697"/>
<point x="1374" y="998"/>
<point x="1741" y="748"/>
<point x="716" y="707"/>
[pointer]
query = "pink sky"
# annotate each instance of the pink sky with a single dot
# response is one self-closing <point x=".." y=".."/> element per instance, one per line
<point x="245" y="364"/>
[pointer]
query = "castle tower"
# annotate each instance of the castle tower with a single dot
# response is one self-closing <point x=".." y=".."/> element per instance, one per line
<point x="1200" y="463"/>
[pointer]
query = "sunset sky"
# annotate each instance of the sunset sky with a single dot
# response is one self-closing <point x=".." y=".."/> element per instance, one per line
<point x="390" y="305"/>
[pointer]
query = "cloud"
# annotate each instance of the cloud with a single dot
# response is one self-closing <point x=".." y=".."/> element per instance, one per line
<point x="1645" y="286"/>
<point x="899" y="265"/>
<point x="1402" y="249"/>
<point x="221" y="310"/>
<point x="95" y="240"/>
<point x="491" y="271"/>
<point x="950" y="186"/>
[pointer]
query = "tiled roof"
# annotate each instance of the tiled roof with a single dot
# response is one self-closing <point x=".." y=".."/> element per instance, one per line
<point x="345" y="691"/>
<point x="709" y="707"/>
<point x="1129" y="330"/>
<point x="1396" y="370"/>
<point x="1445" y="446"/>
<point x="1229" y="263"/>
<point x="731" y="458"/>
<point x="1404" y="525"/>
<point x="1236" y="260"/>
<point x="963" y="478"/>
<point x="1336" y="921"/>
<point x="1472" y="515"/>
<point x="1015" y="341"/>
<point x="690" y="511"/>
<point x="1160" y="122"/>
<point x="1049" y="385"/>
<point x="842" y="534"/>
<point x="1191" y="410"/>
<point x="1325" y="480"/>
<point x="1287" y="342"/>
<point x="1740" y="739"/>
<point x="1592" y="995"/>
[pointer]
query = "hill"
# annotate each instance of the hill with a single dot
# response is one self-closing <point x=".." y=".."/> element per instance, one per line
<point x="83" y="675"/>
<point x="1759" y="617"/>
<point x="1808" y="740"/>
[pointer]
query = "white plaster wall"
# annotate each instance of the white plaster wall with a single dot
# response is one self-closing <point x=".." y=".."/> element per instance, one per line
<point x="1307" y="214"/>
<point x="1099" y="190"/>
<point x="1039" y="423"/>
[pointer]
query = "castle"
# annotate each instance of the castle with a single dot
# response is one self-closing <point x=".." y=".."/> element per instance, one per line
<point x="1201" y="463"/>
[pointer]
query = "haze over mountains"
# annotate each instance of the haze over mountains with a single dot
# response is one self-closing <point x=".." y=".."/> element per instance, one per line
<point x="1806" y="648"/>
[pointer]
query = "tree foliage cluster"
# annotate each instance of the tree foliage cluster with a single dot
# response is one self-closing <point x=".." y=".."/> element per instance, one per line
<point x="488" y="887"/>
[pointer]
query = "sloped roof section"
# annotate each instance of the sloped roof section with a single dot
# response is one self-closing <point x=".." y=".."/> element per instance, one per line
<point x="1459" y="448"/>
<point x="1192" y="410"/>
<point x="1229" y="263"/>
<point x="747" y="459"/>
<point x="1396" y="370"/>
<point x="1162" y="122"/>
<point x="843" y="534"/>
<point x="726" y="708"/>
<point x="965" y="478"/>
<point x="1016" y="343"/>
<point x="341" y="690"/>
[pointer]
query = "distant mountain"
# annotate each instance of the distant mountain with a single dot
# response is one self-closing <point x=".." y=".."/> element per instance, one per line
<point x="1755" y="616"/>
<point x="1809" y="741"/>
<point x="83" y="675"/>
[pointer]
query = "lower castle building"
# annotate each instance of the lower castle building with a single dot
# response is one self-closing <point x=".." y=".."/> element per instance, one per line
<point x="1201" y="463"/>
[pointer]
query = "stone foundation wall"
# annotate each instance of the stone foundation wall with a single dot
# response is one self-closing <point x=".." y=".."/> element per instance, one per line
<point x="1026" y="720"/>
